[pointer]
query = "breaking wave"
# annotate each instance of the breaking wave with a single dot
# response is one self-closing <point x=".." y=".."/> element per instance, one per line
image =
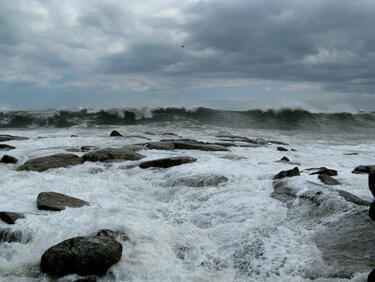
<point x="283" y="119"/>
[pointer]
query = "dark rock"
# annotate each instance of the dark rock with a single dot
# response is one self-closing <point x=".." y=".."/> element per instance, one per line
<point x="277" y="142"/>
<point x="8" y="159"/>
<point x="167" y="162"/>
<point x="5" y="147"/>
<point x="169" y="134"/>
<point x="287" y="173"/>
<point x="285" y="159"/>
<point x="73" y="135"/>
<point x="83" y="149"/>
<point x="112" y="154"/>
<point x="283" y="192"/>
<point x="328" y="179"/>
<point x="56" y="202"/>
<point x="5" y="138"/>
<point x="371" y="211"/>
<point x="233" y="157"/>
<point x="371" y="276"/>
<point x="200" y="181"/>
<point x="198" y="146"/>
<point x="352" y="198"/>
<point x="293" y="150"/>
<point x="10" y="217"/>
<point x="282" y="149"/>
<point x="82" y="256"/>
<point x="166" y="145"/>
<point x="8" y="235"/>
<point x="53" y="161"/>
<point x="371" y="183"/>
<point x="350" y="154"/>
<point x="364" y="169"/>
<point x="121" y="235"/>
<point x="115" y="133"/>
<point x="326" y="171"/>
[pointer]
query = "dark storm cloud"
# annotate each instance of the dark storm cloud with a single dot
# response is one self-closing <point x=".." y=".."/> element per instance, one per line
<point x="130" y="46"/>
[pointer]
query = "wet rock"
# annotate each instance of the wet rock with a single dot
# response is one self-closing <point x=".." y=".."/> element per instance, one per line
<point x="277" y="142"/>
<point x="233" y="157"/>
<point x="10" y="217"/>
<point x="283" y="192"/>
<point x="5" y="138"/>
<point x="82" y="256"/>
<point x="352" y="198"/>
<point x="5" y="147"/>
<point x="8" y="235"/>
<point x="285" y="159"/>
<point x="282" y="149"/>
<point x="371" y="183"/>
<point x="117" y="235"/>
<point x="53" y="161"/>
<point x="160" y="145"/>
<point x="371" y="276"/>
<point x="169" y="134"/>
<point x="112" y="154"/>
<point x="83" y="149"/>
<point x="326" y="171"/>
<point x="56" y="201"/>
<point x="364" y="169"/>
<point x="287" y="173"/>
<point x="73" y="135"/>
<point x="350" y="154"/>
<point x="371" y="211"/>
<point x="328" y="179"/>
<point x="88" y="279"/>
<point x="115" y="133"/>
<point x="8" y="159"/>
<point x="182" y="145"/>
<point x="167" y="162"/>
<point x="200" y="181"/>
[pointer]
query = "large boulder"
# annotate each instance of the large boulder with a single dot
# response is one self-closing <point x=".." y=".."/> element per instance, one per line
<point x="8" y="159"/>
<point x="287" y="173"/>
<point x="5" y="138"/>
<point x="5" y="147"/>
<point x="199" y="181"/>
<point x="9" y="235"/>
<point x="53" y="161"/>
<point x="112" y="155"/>
<point x="56" y="201"/>
<point x="82" y="256"/>
<point x="167" y="162"/>
<point x="364" y="169"/>
<point x="10" y="217"/>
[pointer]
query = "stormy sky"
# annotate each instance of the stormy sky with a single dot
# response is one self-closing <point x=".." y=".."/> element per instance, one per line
<point x="233" y="54"/>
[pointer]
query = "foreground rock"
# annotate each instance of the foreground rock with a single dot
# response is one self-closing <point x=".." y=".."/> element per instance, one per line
<point x="10" y="217"/>
<point x="53" y="161"/>
<point x="342" y="229"/>
<point x="364" y="169"/>
<point x="371" y="183"/>
<point x="328" y="179"/>
<point x="200" y="181"/>
<point x="5" y="138"/>
<point x="112" y="155"/>
<point x="8" y="159"/>
<point x="5" y="147"/>
<point x="82" y="256"/>
<point x="8" y="235"/>
<point x="371" y="211"/>
<point x="287" y="173"/>
<point x="115" y="133"/>
<point x="167" y="162"/>
<point x="53" y="201"/>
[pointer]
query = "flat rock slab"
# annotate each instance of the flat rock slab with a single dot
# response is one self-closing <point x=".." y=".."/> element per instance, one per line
<point x="53" y="201"/>
<point x="167" y="162"/>
<point x="5" y="138"/>
<point x="364" y="169"/>
<point x="10" y="217"/>
<point x="8" y="235"/>
<point x="53" y="161"/>
<point x="112" y="155"/>
<point x="328" y="179"/>
<point x="200" y="181"/>
<point x="8" y="159"/>
<point x="82" y="256"/>
<point x="353" y="198"/>
<point x="183" y="145"/>
<point x="5" y="147"/>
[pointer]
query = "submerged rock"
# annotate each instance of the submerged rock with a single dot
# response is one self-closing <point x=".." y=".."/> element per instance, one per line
<point x="5" y="147"/>
<point x="200" y="181"/>
<point x="282" y="149"/>
<point x="328" y="179"/>
<point x="82" y="256"/>
<point x="115" y="133"/>
<point x="82" y="149"/>
<point x="53" y="161"/>
<point x="8" y="159"/>
<point x="167" y="162"/>
<point x="112" y="154"/>
<point x="117" y="235"/>
<point x="183" y="145"/>
<point x="353" y="198"/>
<point x="5" y="138"/>
<point x="166" y="145"/>
<point x="364" y="169"/>
<point x="277" y="142"/>
<point x="287" y="173"/>
<point x="8" y="235"/>
<point x="56" y="201"/>
<point x="10" y="217"/>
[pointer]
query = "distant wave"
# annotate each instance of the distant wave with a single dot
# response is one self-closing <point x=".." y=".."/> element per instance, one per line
<point x="283" y="119"/>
